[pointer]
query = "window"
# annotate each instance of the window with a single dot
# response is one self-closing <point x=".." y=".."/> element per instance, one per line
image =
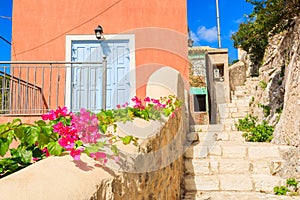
<point x="200" y="103"/>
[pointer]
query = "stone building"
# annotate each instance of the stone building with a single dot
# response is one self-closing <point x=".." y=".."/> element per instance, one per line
<point x="209" y="83"/>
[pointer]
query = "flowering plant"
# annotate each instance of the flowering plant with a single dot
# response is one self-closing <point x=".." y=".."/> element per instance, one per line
<point x="76" y="133"/>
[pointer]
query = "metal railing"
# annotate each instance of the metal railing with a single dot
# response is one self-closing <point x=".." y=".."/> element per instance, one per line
<point x="33" y="88"/>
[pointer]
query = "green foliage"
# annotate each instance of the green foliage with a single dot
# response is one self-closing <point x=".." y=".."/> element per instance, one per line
<point x="280" y="190"/>
<point x="247" y="123"/>
<point x="263" y="85"/>
<point x="268" y="17"/>
<point x="292" y="182"/>
<point x="38" y="140"/>
<point x="255" y="132"/>
<point x="291" y="188"/>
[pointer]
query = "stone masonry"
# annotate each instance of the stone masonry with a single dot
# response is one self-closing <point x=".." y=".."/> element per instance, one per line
<point x="221" y="165"/>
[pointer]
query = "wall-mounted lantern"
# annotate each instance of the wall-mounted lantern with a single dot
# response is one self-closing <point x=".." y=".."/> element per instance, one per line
<point x="99" y="32"/>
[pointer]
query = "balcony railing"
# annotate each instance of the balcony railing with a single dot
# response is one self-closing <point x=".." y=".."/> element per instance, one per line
<point x="33" y="88"/>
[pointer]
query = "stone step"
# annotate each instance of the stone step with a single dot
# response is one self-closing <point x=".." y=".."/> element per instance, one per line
<point x="216" y="136"/>
<point x="240" y="92"/>
<point x="233" y="182"/>
<point x="199" y="128"/>
<point x="234" y="149"/>
<point x="234" y="196"/>
<point x="215" y="165"/>
<point x="240" y="87"/>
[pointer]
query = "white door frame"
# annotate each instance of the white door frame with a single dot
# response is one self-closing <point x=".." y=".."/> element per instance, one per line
<point x="71" y="38"/>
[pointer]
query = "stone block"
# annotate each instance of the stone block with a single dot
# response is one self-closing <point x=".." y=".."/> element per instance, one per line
<point x="197" y="166"/>
<point x="268" y="151"/>
<point x="197" y="151"/>
<point x="233" y="110"/>
<point x="223" y="136"/>
<point x="266" y="183"/>
<point x="214" y="166"/>
<point x="234" y="151"/>
<point x="261" y="167"/>
<point x="231" y="105"/>
<point x="202" y="183"/>
<point x="234" y="166"/>
<point x="236" y="182"/>
<point x="215" y="150"/>
<point x="238" y="115"/>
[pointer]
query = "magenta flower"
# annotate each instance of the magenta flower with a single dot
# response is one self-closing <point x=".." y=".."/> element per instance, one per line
<point x="67" y="142"/>
<point x="125" y="105"/>
<point x="75" y="153"/>
<point x="147" y="99"/>
<point x="61" y="111"/>
<point x="51" y="115"/>
<point x="100" y="156"/>
<point x="45" y="150"/>
<point x="86" y="125"/>
<point x="118" y="106"/>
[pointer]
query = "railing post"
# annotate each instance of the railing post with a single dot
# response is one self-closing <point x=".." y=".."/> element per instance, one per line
<point x="104" y="78"/>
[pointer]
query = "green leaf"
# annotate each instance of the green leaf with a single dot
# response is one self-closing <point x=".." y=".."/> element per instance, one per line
<point x="127" y="139"/>
<point x="19" y="132"/>
<point x="44" y="137"/>
<point x="92" y="149"/>
<point x="16" y="122"/>
<point x="54" y="148"/>
<point x="25" y="155"/>
<point x="40" y="123"/>
<point x="31" y="135"/>
<point x="4" y="146"/>
<point x="79" y="143"/>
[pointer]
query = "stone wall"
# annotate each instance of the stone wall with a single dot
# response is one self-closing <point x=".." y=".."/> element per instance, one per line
<point x="153" y="170"/>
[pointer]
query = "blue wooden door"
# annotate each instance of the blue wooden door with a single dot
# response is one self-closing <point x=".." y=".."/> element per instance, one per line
<point x="86" y="86"/>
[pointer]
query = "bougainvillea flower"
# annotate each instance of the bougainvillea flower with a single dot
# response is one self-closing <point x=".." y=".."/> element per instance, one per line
<point x="61" y="111"/>
<point x="147" y="99"/>
<point x="75" y="153"/>
<point x="100" y="156"/>
<point x="46" y="152"/>
<point x="67" y="142"/>
<point x="51" y="115"/>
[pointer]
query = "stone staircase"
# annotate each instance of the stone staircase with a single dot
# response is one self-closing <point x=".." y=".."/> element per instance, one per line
<point x="221" y="165"/>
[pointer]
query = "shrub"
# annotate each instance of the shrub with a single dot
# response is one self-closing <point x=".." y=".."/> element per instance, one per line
<point x="280" y="190"/>
<point x="255" y="132"/>
<point x="247" y="123"/>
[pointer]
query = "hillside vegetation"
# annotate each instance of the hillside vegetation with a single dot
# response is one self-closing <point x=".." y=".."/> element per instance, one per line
<point x="268" y="18"/>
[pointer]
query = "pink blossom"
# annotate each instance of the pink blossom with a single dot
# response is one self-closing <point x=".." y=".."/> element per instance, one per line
<point x="61" y="111"/>
<point x="125" y="105"/>
<point x="45" y="150"/>
<point x="147" y="99"/>
<point x="75" y="153"/>
<point x="35" y="159"/>
<point x="67" y="142"/>
<point x="86" y="125"/>
<point x="118" y="106"/>
<point x="51" y="115"/>
<point x="100" y="156"/>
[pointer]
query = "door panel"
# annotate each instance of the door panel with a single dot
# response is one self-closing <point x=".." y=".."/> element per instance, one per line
<point x="86" y="89"/>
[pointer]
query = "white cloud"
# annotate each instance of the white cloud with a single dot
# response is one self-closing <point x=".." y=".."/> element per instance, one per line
<point x="194" y="37"/>
<point x="207" y="34"/>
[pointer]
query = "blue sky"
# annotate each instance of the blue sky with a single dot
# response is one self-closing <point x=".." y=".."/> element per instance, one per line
<point x="201" y="20"/>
